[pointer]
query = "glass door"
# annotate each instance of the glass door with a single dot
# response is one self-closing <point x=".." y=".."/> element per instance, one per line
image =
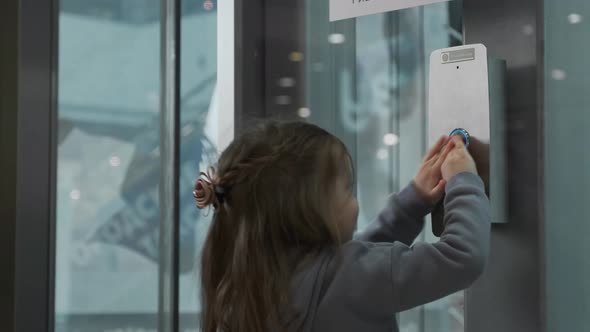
<point x="363" y="79"/>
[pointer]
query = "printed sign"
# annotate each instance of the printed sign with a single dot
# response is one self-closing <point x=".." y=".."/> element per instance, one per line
<point x="343" y="9"/>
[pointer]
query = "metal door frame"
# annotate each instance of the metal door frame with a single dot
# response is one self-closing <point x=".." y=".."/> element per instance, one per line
<point x="28" y="161"/>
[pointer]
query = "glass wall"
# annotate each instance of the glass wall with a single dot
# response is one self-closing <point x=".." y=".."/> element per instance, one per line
<point x="366" y="81"/>
<point x="107" y="183"/>
<point x="567" y="164"/>
<point x="107" y="213"/>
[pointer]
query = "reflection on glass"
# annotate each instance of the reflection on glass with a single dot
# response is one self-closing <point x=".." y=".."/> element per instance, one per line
<point x="108" y="161"/>
<point x="107" y="197"/>
<point x="566" y="164"/>
<point x="366" y="82"/>
<point x="199" y="148"/>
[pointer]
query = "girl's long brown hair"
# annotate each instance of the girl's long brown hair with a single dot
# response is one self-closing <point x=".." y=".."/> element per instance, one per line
<point x="276" y="181"/>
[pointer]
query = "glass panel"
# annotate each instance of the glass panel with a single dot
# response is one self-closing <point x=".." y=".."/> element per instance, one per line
<point x="366" y="82"/>
<point x="108" y="161"/>
<point x="567" y="164"/>
<point x="201" y="129"/>
<point x="108" y="166"/>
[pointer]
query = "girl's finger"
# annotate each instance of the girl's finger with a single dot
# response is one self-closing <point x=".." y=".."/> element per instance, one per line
<point x="436" y="148"/>
<point x="440" y="187"/>
<point x="443" y="156"/>
<point x="458" y="141"/>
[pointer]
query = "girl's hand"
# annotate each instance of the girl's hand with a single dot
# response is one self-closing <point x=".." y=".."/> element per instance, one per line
<point x="458" y="160"/>
<point x="429" y="182"/>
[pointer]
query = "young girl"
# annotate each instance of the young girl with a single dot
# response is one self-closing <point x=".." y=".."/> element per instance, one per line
<point x="280" y="256"/>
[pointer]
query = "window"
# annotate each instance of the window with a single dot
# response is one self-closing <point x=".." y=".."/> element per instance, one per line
<point x="107" y="213"/>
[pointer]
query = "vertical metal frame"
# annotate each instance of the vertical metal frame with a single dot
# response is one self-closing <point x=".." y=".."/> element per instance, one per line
<point x="249" y="68"/>
<point x="509" y="296"/>
<point x="28" y="176"/>
<point x="170" y="165"/>
<point x="279" y="46"/>
<point x="8" y="163"/>
<point x="540" y="139"/>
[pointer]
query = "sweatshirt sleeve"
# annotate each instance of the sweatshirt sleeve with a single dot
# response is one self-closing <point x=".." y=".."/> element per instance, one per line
<point x="426" y="272"/>
<point x="401" y="220"/>
<point x="375" y="280"/>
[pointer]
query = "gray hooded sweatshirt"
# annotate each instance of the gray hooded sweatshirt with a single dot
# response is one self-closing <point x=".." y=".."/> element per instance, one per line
<point x="361" y="286"/>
